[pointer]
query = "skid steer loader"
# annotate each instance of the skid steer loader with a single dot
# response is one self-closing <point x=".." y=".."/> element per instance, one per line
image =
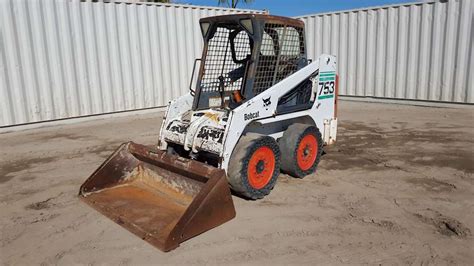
<point x="258" y="106"/>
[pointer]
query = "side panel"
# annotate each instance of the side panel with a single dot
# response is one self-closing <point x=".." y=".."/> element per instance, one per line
<point x="323" y="111"/>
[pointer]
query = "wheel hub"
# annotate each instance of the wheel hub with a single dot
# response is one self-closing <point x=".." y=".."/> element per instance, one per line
<point x="260" y="166"/>
<point x="307" y="152"/>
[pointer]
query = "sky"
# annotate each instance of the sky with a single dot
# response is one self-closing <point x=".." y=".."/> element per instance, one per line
<point x="292" y="8"/>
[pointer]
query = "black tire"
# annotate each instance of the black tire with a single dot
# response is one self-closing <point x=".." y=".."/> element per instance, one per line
<point x="289" y="143"/>
<point x="242" y="158"/>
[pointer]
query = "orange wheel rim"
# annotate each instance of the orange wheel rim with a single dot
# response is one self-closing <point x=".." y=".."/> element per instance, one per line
<point x="307" y="152"/>
<point x="261" y="167"/>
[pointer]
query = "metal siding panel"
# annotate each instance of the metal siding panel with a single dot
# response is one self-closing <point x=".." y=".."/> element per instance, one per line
<point x="447" y="76"/>
<point x="470" y="76"/>
<point x="326" y="34"/>
<point x="424" y="52"/>
<point x="80" y="59"/>
<point x="116" y="76"/>
<point x="6" y="117"/>
<point x="318" y="37"/>
<point x="136" y="60"/>
<point x="6" y="108"/>
<point x="361" y="55"/>
<point x="197" y="41"/>
<point x="155" y="67"/>
<point x="126" y="54"/>
<point x="69" y="70"/>
<point x="391" y="54"/>
<point x="167" y="91"/>
<point x="414" y="37"/>
<point x="181" y="51"/>
<point x="54" y="59"/>
<point x="342" y="67"/>
<point x="334" y="47"/>
<point x="436" y="63"/>
<point x="380" y="52"/>
<point x="463" y="47"/>
<point x="13" y="63"/>
<point x="188" y="24"/>
<point x="370" y="49"/>
<point x="470" y="72"/>
<point x="105" y="84"/>
<point x="309" y="23"/>
<point x="27" y="63"/>
<point x="174" y="59"/>
<point x="352" y="54"/>
<point x="146" y="55"/>
<point x="401" y="60"/>
<point x="92" y="63"/>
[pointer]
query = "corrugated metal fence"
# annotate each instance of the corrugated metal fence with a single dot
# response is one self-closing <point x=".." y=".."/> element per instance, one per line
<point x="61" y="59"/>
<point x="420" y="51"/>
<point x="66" y="58"/>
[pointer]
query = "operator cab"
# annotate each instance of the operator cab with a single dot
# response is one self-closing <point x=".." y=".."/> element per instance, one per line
<point x="246" y="54"/>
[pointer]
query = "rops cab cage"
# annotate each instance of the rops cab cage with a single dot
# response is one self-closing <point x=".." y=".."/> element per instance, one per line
<point x="244" y="55"/>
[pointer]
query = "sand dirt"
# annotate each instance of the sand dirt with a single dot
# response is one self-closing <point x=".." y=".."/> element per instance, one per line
<point x="398" y="188"/>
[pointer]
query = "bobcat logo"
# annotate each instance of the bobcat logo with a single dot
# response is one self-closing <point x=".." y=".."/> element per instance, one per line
<point x="266" y="102"/>
<point x="251" y="116"/>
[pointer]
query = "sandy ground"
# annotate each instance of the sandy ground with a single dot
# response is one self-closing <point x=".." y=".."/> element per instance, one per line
<point x="398" y="188"/>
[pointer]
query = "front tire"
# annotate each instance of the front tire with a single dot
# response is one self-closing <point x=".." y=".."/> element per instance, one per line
<point x="254" y="166"/>
<point x="301" y="146"/>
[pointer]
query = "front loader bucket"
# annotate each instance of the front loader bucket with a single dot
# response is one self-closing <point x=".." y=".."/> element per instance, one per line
<point x="162" y="198"/>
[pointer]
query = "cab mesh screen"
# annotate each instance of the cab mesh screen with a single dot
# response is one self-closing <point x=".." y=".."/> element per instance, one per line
<point x="219" y="61"/>
<point x="282" y="47"/>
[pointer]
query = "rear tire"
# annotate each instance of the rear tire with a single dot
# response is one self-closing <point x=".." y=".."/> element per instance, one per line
<point x="301" y="147"/>
<point x="254" y="166"/>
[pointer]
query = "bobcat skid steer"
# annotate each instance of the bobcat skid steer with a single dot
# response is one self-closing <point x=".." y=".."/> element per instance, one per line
<point x="258" y="107"/>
